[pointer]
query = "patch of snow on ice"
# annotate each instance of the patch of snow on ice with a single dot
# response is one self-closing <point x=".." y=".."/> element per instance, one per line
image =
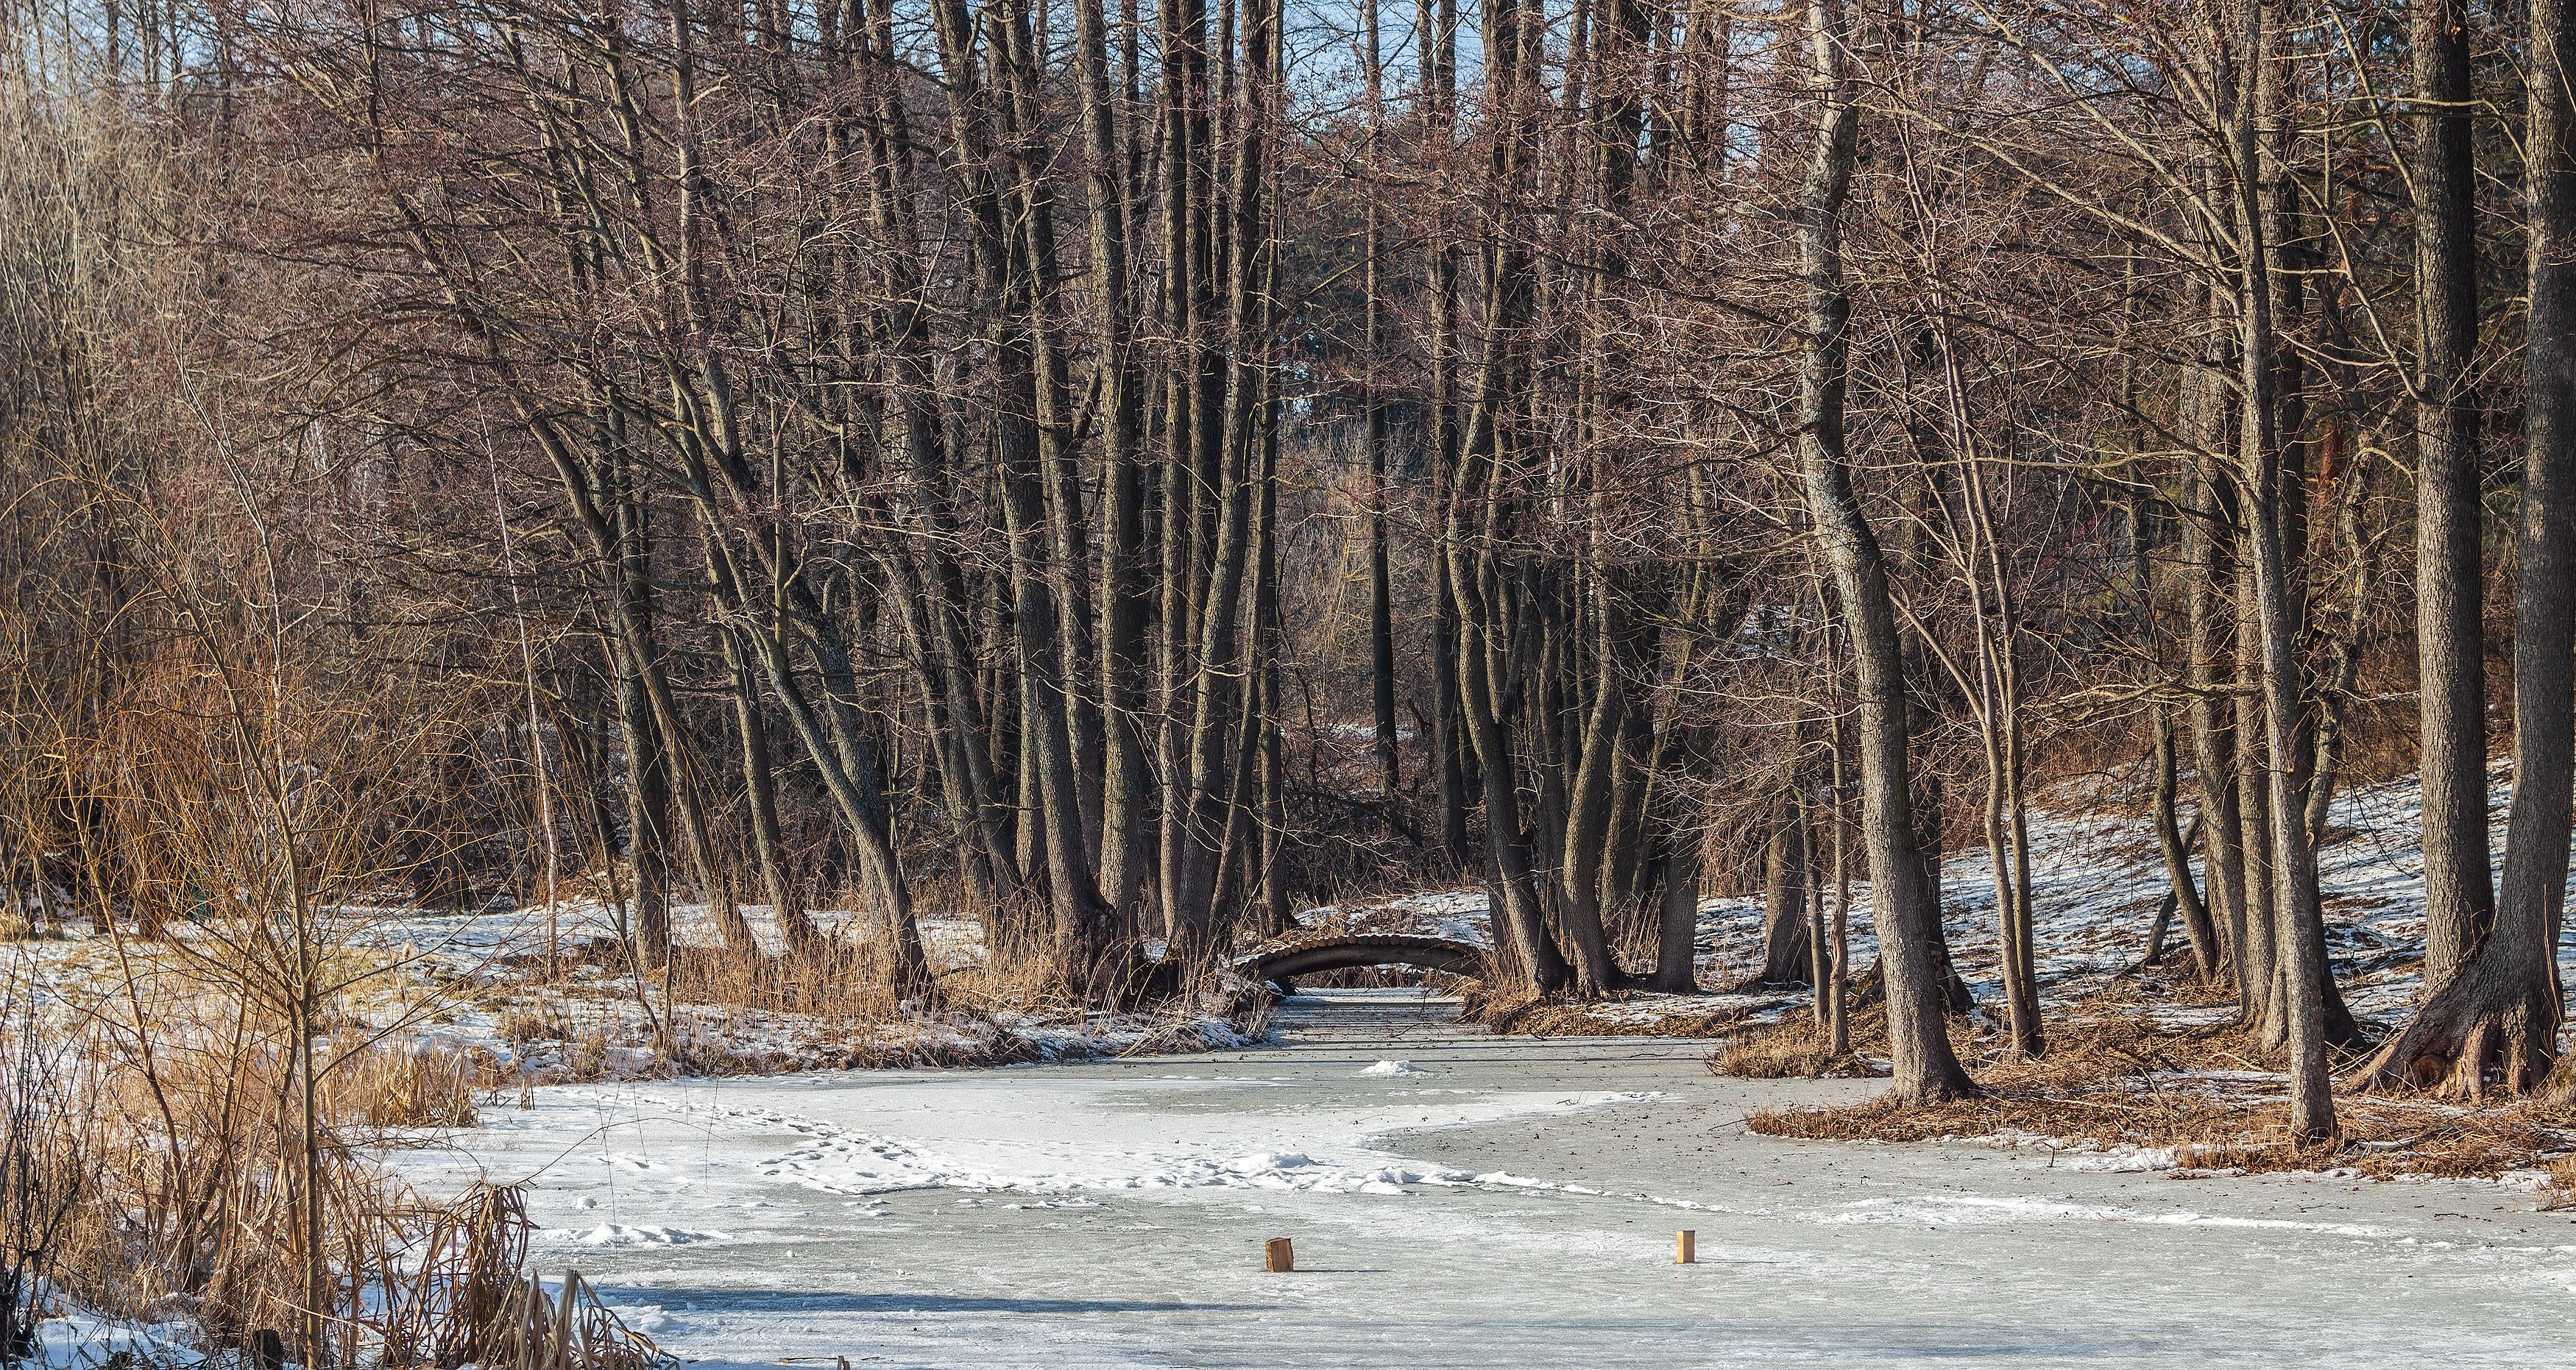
<point x="1265" y="1162"/>
<point x="1338" y="1156"/>
<point x="621" y="1234"/>
<point x="1395" y="1068"/>
<point x="1980" y="1210"/>
<point x="2124" y="1158"/>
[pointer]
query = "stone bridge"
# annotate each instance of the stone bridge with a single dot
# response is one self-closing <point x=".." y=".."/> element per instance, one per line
<point x="1316" y="953"/>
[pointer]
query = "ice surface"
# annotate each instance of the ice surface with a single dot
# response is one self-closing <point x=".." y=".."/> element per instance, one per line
<point x="1111" y="1213"/>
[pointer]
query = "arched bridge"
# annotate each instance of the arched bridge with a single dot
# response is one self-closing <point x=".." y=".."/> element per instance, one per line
<point x="1314" y="955"/>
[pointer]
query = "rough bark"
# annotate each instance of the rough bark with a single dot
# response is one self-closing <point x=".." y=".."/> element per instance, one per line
<point x="1677" y="918"/>
<point x="2459" y="896"/>
<point x="1787" y="941"/>
<point x="1435" y="28"/>
<point x="1219" y="678"/>
<point x="2210" y="546"/>
<point x="1186" y="309"/>
<point x="1381" y="608"/>
<point x="648" y="773"/>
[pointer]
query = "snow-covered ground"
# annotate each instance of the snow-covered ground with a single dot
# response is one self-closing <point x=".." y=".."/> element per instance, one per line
<point x="2096" y="879"/>
<point x="1461" y="1199"/>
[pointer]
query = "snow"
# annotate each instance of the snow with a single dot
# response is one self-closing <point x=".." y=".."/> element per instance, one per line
<point x="619" y="1234"/>
<point x="2096" y="878"/>
<point x="75" y="1339"/>
<point x="970" y="1149"/>
<point x="1394" y="1068"/>
<point x="1519" y="1212"/>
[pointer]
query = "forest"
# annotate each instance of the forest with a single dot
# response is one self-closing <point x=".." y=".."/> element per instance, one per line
<point x="1116" y="484"/>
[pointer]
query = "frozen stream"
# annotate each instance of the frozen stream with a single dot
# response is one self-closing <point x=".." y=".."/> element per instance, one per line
<point x="1501" y="1202"/>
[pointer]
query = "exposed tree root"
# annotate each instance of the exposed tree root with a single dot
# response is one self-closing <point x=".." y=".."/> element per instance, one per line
<point x="2484" y="1023"/>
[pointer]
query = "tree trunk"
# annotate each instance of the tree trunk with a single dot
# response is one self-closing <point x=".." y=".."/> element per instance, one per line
<point x="1124" y="811"/>
<point x="1043" y="588"/>
<point x="1272" y="909"/>
<point x="648" y="773"/>
<point x="1587" y="816"/>
<point x="1908" y="924"/>
<point x="1381" y="608"/>
<point x="2501" y="1011"/>
<point x="1220" y="679"/>
<point x="1436" y="27"/>
<point x="1677" y="918"/>
<point x="760" y="790"/>
<point x="1787" y="947"/>
<point x="2176" y="849"/>
<point x="1838" y="970"/>
<point x="2459" y="894"/>
<point x="1183" y="33"/>
<point x="2261" y="949"/>
<point x="2210" y="545"/>
<point x="2300" y="923"/>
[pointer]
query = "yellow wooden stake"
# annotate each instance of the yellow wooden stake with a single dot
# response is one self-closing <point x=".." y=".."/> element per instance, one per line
<point x="1277" y="1257"/>
<point x="1685" y="1247"/>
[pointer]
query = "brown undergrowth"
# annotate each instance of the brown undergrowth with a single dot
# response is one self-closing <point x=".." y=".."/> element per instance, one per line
<point x="2196" y="1097"/>
<point x="1621" y="1016"/>
<point x="2558" y="1186"/>
<point x="153" y="1172"/>
<point x="1795" y="1047"/>
<point x="1588" y="1020"/>
<point x="590" y="1015"/>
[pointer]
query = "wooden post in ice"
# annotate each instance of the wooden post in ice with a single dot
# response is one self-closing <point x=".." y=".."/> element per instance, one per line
<point x="1277" y="1257"/>
<point x="1685" y="1247"/>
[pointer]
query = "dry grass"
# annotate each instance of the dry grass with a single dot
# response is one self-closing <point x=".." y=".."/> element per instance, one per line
<point x="384" y="1083"/>
<point x="151" y="1168"/>
<point x="1789" y="1045"/>
<point x="162" y="1189"/>
<point x="1619" y="1016"/>
<point x="1795" y="1048"/>
<point x="591" y="1016"/>
<point x="541" y="1331"/>
<point x="2558" y="1187"/>
<point x="2115" y="1078"/>
<point x="2382" y="1138"/>
<point x="520" y="1026"/>
<point x="1588" y="1020"/>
